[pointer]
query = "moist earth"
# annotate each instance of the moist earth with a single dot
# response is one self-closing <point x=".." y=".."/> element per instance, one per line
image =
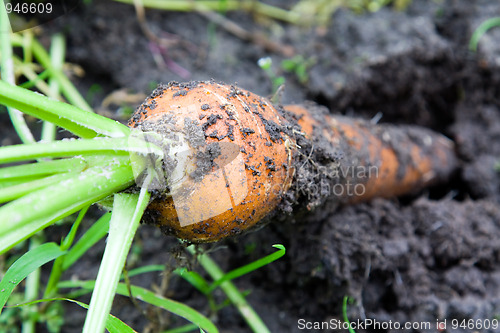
<point x="421" y="258"/>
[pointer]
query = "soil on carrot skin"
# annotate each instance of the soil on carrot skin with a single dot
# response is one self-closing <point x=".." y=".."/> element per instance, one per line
<point x="427" y="257"/>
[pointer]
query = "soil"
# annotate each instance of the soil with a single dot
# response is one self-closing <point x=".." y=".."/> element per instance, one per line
<point x="430" y="256"/>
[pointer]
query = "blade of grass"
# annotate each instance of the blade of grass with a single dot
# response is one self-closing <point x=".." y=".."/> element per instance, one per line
<point x="28" y="71"/>
<point x="31" y="289"/>
<point x="200" y="283"/>
<point x="243" y="270"/>
<point x="127" y="213"/>
<point x="82" y="123"/>
<point x="177" y="308"/>
<point x="95" y="233"/>
<point x="27" y="41"/>
<point x="56" y="272"/>
<point x="195" y="279"/>
<point x="344" y="313"/>
<point x="57" y="51"/>
<point x="481" y="30"/>
<point x="26" y="264"/>
<point x="248" y="313"/>
<point x="113" y="324"/>
<point x="205" y="5"/>
<point x="149" y="297"/>
<point x="68" y="89"/>
<point x="31" y="83"/>
<point x="183" y="329"/>
<point x="145" y="269"/>
<point x="7" y="72"/>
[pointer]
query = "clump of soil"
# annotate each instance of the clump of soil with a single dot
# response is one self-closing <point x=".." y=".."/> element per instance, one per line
<point x="433" y="255"/>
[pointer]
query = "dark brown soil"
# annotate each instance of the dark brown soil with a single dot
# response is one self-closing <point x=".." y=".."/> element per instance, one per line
<point x="427" y="257"/>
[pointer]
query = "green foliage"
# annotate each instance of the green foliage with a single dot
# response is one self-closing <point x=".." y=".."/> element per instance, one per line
<point x="320" y="12"/>
<point x="299" y="66"/>
<point x="481" y="30"/>
<point x="53" y="316"/>
<point x="258" y="8"/>
<point x="266" y="65"/>
<point x="376" y="5"/>
<point x="53" y="179"/>
<point x="346" y="300"/>
<point x="94" y="90"/>
<point x="25" y="265"/>
<point x="11" y="318"/>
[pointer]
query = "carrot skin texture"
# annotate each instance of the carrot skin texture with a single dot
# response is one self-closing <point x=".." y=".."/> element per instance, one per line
<point x="387" y="160"/>
<point x="252" y="184"/>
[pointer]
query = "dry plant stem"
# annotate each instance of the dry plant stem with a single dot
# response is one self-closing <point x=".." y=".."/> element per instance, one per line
<point x="285" y="156"/>
<point x="221" y="21"/>
<point x="159" y="45"/>
<point x="141" y="18"/>
<point x="256" y="38"/>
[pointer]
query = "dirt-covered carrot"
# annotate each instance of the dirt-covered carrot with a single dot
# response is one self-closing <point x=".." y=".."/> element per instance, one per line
<point x="377" y="160"/>
<point x="235" y="159"/>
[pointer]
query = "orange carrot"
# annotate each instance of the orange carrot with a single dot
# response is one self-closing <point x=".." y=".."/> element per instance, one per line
<point x="233" y="159"/>
<point x="387" y="160"/>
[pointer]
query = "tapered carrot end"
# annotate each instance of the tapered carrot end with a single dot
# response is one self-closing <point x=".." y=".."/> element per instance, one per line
<point x="378" y="160"/>
<point x="231" y="159"/>
<point x="411" y="159"/>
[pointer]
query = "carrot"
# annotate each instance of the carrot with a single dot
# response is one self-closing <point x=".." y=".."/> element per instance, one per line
<point x="381" y="160"/>
<point x="234" y="159"/>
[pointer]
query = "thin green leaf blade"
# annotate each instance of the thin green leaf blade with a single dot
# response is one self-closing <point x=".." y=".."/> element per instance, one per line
<point x="481" y="30"/>
<point x="95" y="233"/>
<point x="243" y="270"/>
<point x="30" y="261"/>
<point x="145" y="269"/>
<point x="195" y="279"/>
<point x="56" y="272"/>
<point x="175" y="307"/>
<point x="234" y="295"/>
<point x="183" y="329"/>
<point x="147" y="296"/>
<point x="113" y="324"/>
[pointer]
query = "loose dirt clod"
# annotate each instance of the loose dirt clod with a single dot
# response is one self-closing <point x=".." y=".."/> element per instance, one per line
<point x="289" y="155"/>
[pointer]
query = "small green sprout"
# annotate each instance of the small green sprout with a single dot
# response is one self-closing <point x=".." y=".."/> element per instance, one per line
<point x="266" y="65"/>
<point x="346" y="300"/>
<point x="299" y="66"/>
<point x="481" y="30"/>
